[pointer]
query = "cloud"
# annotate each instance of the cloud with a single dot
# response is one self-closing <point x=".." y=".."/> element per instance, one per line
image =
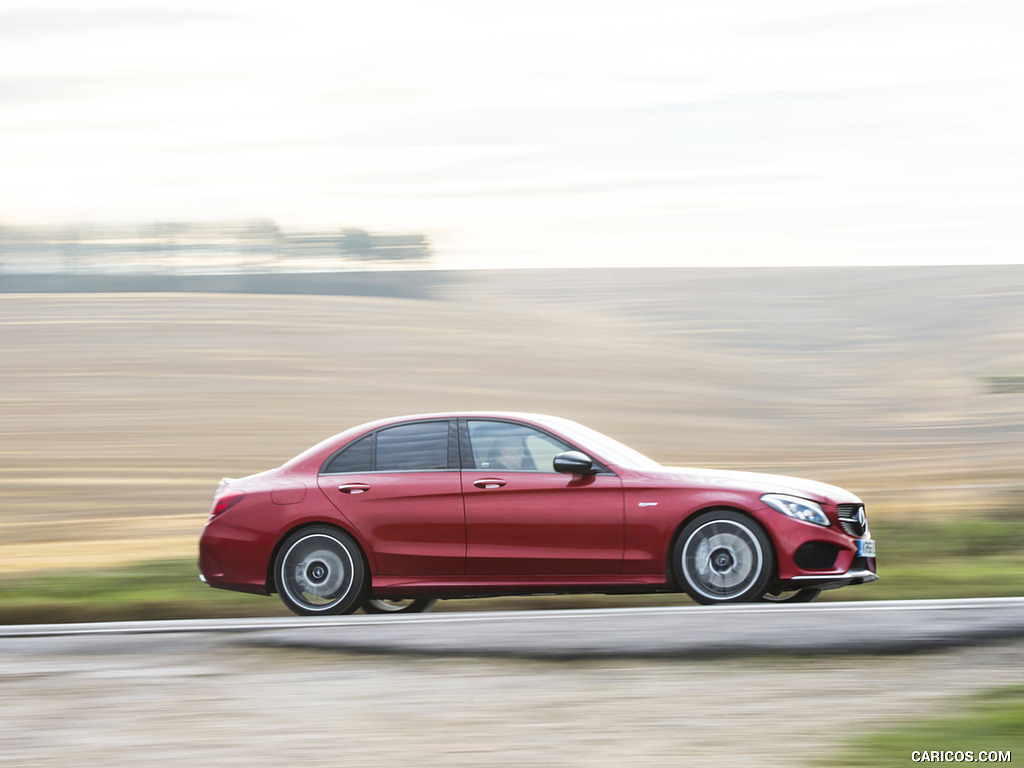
<point x="793" y="124"/>
<point x="36" y="23"/>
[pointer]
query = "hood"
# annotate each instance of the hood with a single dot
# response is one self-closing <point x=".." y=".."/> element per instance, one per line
<point x="756" y="481"/>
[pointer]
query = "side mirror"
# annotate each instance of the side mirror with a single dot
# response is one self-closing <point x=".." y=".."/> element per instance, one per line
<point x="574" y="463"/>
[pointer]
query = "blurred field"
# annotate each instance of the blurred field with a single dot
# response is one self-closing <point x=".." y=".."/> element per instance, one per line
<point x="120" y="412"/>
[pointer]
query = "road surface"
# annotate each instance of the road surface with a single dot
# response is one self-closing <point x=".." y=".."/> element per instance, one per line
<point x="675" y="632"/>
<point x="255" y="693"/>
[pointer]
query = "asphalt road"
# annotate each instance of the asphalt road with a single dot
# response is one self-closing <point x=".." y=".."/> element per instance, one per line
<point x="676" y="632"/>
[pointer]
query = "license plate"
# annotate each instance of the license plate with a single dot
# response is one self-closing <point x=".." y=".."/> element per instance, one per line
<point x="866" y="547"/>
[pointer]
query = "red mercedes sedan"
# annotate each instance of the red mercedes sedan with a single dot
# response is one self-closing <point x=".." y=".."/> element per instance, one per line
<point x="392" y="515"/>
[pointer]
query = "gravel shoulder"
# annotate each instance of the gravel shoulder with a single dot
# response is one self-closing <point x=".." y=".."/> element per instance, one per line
<point x="211" y="699"/>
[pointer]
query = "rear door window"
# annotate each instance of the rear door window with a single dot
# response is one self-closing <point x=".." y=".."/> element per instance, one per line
<point x="420" y="446"/>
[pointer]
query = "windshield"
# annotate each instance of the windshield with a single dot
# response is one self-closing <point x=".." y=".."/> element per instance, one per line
<point x="612" y="450"/>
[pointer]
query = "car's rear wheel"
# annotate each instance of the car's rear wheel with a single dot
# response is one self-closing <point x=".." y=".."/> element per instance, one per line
<point x="375" y="605"/>
<point x="799" y="596"/>
<point x="723" y="556"/>
<point x="320" y="571"/>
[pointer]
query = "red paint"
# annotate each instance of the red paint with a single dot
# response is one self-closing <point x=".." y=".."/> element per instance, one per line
<point x="447" y="532"/>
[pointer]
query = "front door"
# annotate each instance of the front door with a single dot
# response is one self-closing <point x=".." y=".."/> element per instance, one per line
<point x="524" y="519"/>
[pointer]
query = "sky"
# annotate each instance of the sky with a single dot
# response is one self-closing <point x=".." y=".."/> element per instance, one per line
<point x="556" y="133"/>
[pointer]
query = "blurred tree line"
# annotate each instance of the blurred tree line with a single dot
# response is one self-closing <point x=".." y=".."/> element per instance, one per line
<point x="180" y="245"/>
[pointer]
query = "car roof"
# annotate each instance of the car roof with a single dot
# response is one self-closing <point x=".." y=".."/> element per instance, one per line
<point x="513" y="415"/>
<point x="344" y="435"/>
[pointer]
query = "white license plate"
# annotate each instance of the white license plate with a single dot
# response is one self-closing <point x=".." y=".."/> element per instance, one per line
<point x="866" y="547"/>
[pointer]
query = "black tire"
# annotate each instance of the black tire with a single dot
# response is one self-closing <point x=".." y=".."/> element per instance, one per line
<point x="723" y="556"/>
<point x="319" y="571"/>
<point x="800" y="596"/>
<point x="375" y="605"/>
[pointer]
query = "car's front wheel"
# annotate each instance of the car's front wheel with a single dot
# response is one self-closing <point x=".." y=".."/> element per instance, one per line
<point x="320" y="571"/>
<point x="723" y="556"/>
<point x="375" y="605"/>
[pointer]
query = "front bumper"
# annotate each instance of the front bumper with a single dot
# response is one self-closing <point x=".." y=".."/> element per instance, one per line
<point x="861" y="572"/>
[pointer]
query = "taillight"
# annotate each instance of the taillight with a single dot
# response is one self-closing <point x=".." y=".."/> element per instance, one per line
<point x="224" y="503"/>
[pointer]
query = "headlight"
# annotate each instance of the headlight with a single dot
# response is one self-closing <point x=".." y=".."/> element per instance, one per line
<point x="798" y="509"/>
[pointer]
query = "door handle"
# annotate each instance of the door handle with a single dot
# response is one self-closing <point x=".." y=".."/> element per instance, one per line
<point x="353" y="488"/>
<point x="490" y="482"/>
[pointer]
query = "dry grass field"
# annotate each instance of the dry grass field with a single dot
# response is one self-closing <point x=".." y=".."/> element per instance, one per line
<point x="120" y="412"/>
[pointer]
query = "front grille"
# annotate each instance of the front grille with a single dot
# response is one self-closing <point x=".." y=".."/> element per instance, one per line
<point x="851" y="517"/>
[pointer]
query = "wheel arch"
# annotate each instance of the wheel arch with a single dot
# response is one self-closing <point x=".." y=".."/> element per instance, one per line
<point x="271" y="583"/>
<point x="670" y="576"/>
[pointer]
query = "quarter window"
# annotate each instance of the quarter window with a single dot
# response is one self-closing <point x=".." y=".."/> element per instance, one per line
<point x="358" y="457"/>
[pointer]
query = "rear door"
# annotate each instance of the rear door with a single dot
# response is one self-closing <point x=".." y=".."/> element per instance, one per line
<point x="399" y="486"/>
